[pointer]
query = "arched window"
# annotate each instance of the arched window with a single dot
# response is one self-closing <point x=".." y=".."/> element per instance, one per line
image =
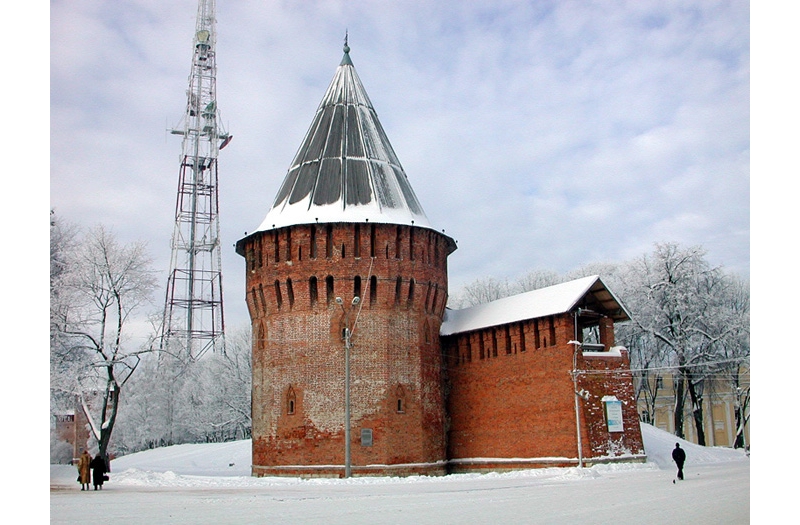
<point x="291" y="401"/>
<point x="400" y="399"/>
<point x="329" y="289"/>
<point x="313" y="292"/>
<point x="357" y="286"/>
<point x="373" y="290"/>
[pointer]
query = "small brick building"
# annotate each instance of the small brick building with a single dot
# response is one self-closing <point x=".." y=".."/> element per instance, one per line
<point x="346" y="272"/>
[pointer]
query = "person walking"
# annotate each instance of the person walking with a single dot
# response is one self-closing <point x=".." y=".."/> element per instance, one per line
<point x="99" y="469"/>
<point x="679" y="457"/>
<point x="84" y="472"/>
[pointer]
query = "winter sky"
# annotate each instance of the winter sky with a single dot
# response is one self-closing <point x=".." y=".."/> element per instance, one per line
<point x="538" y="134"/>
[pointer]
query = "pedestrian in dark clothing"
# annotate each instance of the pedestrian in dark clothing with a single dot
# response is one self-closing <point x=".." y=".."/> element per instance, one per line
<point x="99" y="469"/>
<point x="679" y="457"/>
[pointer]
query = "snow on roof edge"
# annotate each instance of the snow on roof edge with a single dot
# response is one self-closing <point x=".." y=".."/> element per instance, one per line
<point x="542" y="302"/>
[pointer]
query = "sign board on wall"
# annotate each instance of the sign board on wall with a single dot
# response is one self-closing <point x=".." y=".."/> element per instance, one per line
<point x="613" y="411"/>
<point x="366" y="437"/>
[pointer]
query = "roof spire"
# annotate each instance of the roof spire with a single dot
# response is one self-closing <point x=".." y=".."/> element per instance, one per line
<point x="346" y="58"/>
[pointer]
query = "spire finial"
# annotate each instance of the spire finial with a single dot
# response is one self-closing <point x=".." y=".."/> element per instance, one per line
<point x="346" y="58"/>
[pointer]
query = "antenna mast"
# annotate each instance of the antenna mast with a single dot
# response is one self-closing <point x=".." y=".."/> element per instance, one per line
<point x="193" y="312"/>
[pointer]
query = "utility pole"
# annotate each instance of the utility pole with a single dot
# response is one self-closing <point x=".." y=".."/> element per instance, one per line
<point x="348" y="345"/>
<point x="193" y="319"/>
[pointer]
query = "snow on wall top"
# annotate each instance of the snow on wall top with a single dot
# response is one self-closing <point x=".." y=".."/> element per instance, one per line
<point x="551" y="300"/>
<point x="345" y="169"/>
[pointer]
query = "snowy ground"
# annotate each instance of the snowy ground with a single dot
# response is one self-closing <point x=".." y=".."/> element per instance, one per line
<point x="211" y="484"/>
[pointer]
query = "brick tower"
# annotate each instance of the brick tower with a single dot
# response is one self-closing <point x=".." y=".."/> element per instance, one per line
<point x="346" y="224"/>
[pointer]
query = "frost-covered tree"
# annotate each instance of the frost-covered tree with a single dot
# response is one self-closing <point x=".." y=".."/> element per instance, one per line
<point x="103" y="285"/>
<point x="63" y="240"/>
<point x="214" y="402"/>
<point x="482" y="290"/>
<point x="679" y="299"/>
<point x="735" y="351"/>
<point x="171" y="402"/>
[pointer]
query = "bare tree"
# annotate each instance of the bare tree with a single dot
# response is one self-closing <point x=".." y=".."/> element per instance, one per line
<point x="481" y="291"/>
<point x="536" y="279"/>
<point x="105" y="283"/>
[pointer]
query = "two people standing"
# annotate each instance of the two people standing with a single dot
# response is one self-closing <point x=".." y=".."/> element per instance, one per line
<point x="92" y="470"/>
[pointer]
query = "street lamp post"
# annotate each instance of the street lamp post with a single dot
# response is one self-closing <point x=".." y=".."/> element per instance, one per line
<point x="347" y="346"/>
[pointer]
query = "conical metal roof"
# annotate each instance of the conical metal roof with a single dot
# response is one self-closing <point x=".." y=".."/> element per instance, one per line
<point x="345" y="169"/>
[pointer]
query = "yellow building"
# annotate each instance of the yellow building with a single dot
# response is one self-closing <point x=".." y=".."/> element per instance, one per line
<point x="721" y="402"/>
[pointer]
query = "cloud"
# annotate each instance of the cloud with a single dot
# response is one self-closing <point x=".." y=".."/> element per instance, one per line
<point x="541" y="135"/>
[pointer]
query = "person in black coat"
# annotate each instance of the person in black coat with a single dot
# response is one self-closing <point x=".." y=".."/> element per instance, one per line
<point x="99" y="469"/>
<point x="679" y="457"/>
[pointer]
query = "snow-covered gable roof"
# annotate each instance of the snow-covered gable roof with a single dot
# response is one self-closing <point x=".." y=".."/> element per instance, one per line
<point x="345" y="170"/>
<point x="552" y="300"/>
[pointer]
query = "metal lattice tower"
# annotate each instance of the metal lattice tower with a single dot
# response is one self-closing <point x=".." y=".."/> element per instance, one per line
<point x="193" y="313"/>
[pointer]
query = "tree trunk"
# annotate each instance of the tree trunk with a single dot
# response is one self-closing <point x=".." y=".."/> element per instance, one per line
<point x="677" y="416"/>
<point x="697" y="410"/>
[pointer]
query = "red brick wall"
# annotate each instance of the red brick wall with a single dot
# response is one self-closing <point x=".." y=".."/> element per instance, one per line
<point x="516" y="399"/>
<point x="607" y="375"/>
<point x="400" y="273"/>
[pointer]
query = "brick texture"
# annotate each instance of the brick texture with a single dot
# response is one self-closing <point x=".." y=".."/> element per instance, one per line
<point x="493" y="399"/>
<point x="294" y="275"/>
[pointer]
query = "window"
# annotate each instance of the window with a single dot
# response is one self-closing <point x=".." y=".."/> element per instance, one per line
<point x="400" y="399"/>
<point x="357" y="286"/>
<point x="398" y="286"/>
<point x="410" y="301"/>
<point x="312" y="290"/>
<point x="373" y="290"/>
<point x="313" y="241"/>
<point x="290" y="292"/>
<point x="329" y="289"/>
<point x="278" y="297"/>
<point x="291" y="401"/>
<point x="261" y="296"/>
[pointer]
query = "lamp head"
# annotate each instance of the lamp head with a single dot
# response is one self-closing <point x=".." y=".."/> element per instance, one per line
<point x="356" y="300"/>
<point x="339" y="300"/>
